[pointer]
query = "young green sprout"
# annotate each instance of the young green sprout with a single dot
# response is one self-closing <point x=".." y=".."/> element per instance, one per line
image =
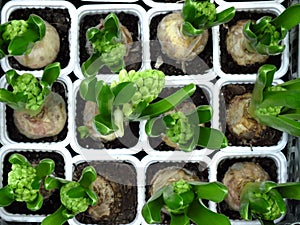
<point x="129" y="99"/>
<point x="34" y="43"/>
<point x="183" y="35"/>
<point x="24" y="182"/>
<point x="254" y="196"/>
<point x="33" y="98"/>
<point x="273" y="106"/>
<point x="109" y="46"/>
<point x="75" y="196"/>
<point x="265" y="200"/>
<point x="183" y="201"/>
<point x="262" y="38"/>
<point x="186" y="130"/>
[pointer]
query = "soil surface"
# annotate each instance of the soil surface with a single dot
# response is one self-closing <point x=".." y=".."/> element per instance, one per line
<point x="269" y="137"/>
<point x="122" y="176"/>
<point x="268" y="164"/>
<point x="13" y="133"/>
<point x="60" y="19"/>
<point x="197" y="169"/>
<point x="130" y="138"/>
<point x="133" y="60"/>
<point x="200" y="97"/>
<point x="50" y="204"/>
<point x="227" y="63"/>
<point x="170" y="67"/>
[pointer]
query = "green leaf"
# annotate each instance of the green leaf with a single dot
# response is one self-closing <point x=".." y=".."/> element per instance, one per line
<point x="179" y="219"/>
<point x="45" y="168"/>
<point x="289" y="18"/>
<point x="202" y="114"/>
<point x="155" y="127"/>
<point x="112" y="24"/>
<point x="51" y="183"/>
<point x="35" y="204"/>
<point x="105" y="101"/>
<point x="200" y="215"/>
<point x="37" y="23"/>
<point x="289" y="190"/>
<point x="77" y="192"/>
<point x="190" y="30"/>
<point x="211" y="138"/>
<point x="88" y="176"/>
<point x="59" y="217"/>
<point x="288" y="99"/>
<point x="92" y="65"/>
<point x="151" y="210"/>
<point x="224" y="16"/>
<point x="281" y="123"/>
<point x="23" y="44"/>
<point x="264" y="79"/>
<point x="11" y="77"/>
<point x="19" y="159"/>
<point x="6" y="196"/>
<point x="138" y="110"/>
<point x="83" y="131"/>
<point x="103" y="126"/>
<point x="87" y="88"/>
<point x="51" y="73"/>
<point x="123" y="92"/>
<point x="291" y="84"/>
<point x="213" y="191"/>
<point x="15" y="101"/>
<point x="93" y="197"/>
<point x="168" y="103"/>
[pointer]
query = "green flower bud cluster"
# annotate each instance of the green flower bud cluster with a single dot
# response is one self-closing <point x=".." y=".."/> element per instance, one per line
<point x="205" y="8"/>
<point x="76" y="205"/>
<point x="113" y="56"/>
<point x="271" y="211"/>
<point x="13" y="29"/>
<point x="180" y="130"/>
<point x="29" y="86"/>
<point x="276" y="88"/>
<point x="20" y="179"/>
<point x="149" y="84"/>
<point x="181" y="186"/>
<point x="269" y="111"/>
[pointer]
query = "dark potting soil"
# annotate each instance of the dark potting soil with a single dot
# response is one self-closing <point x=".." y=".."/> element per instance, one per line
<point x="200" y="97"/>
<point x="170" y="67"/>
<point x="122" y="176"/>
<point x="130" y="138"/>
<point x="198" y="169"/>
<point x="133" y="60"/>
<point x="268" y="164"/>
<point x="51" y="202"/>
<point x="228" y="65"/>
<point x="269" y="137"/>
<point x="13" y="133"/>
<point x="60" y="19"/>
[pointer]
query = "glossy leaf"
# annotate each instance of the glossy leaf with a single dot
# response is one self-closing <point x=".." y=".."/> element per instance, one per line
<point x="19" y="159"/>
<point x="155" y="127"/>
<point x="179" y="219"/>
<point x="59" y="217"/>
<point x="200" y="214"/>
<point x="169" y="102"/>
<point x="289" y="190"/>
<point x="289" y="18"/>
<point x="214" y="191"/>
<point x="87" y="88"/>
<point x="104" y="126"/>
<point x="152" y="209"/>
<point x="263" y="80"/>
<point x="88" y="176"/>
<point x="105" y="101"/>
<point x="6" y="196"/>
<point x="51" y="183"/>
<point x="203" y="114"/>
<point x="123" y="92"/>
<point x="281" y="123"/>
<point x="36" y="204"/>
<point x="92" y="65"/>
<point x="51" y="73"/>
<point x="211" y="138"/>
